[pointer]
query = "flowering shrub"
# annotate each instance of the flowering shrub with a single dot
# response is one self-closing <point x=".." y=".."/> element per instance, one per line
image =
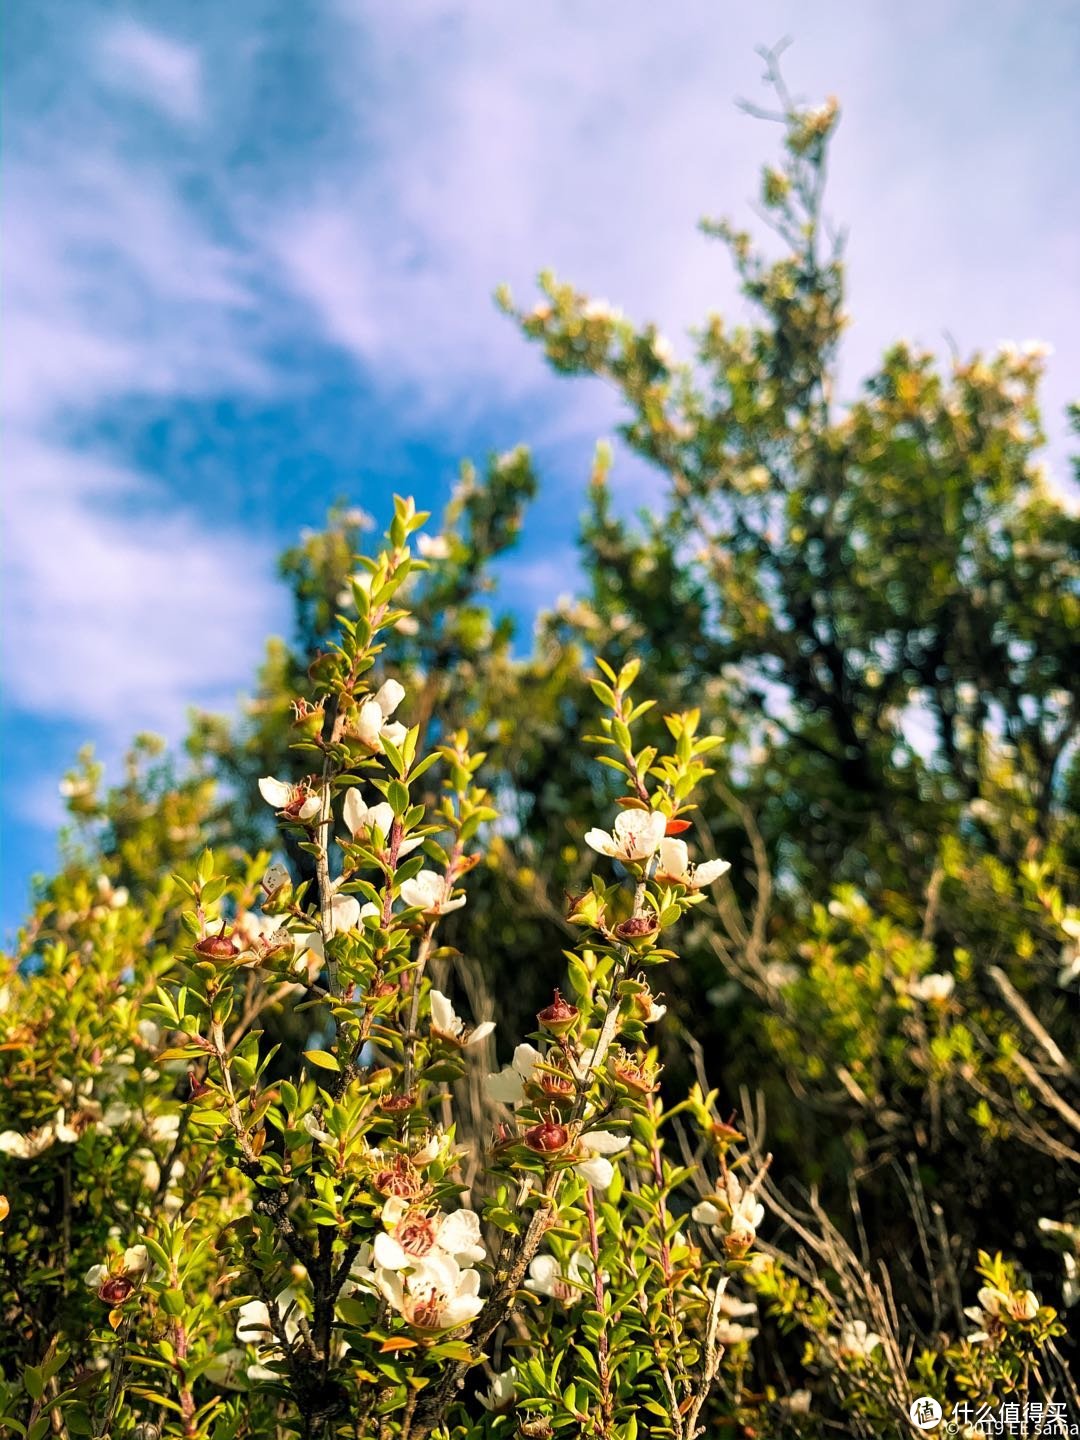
<point x="192" y="1218"/>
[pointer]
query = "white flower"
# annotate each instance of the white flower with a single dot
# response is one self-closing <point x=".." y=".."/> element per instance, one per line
<point x="372" y="724"/>
<point x="433" y="547"/>
<point x="636" y="835"/>
<point x="738" y="1214"/>
<point x="295" y="801"/>
<point x="163" y="1129"/>
<point x="729" y="1333"/>
<point x="449" y="1026"/>
<point x="798" y="1402"/>
<point x="933" y="989"/>
<point x="253" y="1321"/>
<point x="134" y="1263"/>
<point x="996" y="1306"/>
<point x="856" y="1340"/>
<point x="428" y="892"/>
<point x="436" y="1295"/>
<point x="412" y="1234"/>
<point x="1070" y="965"/>
<point x="507" y="1086"/>
<point x="29" y="1146"/>
<point x="595" y="1167"/>
<point x="547" y="1277"/>
<point x="225" y="1369"/>
<point x="501" y="1394"/>
<point x="364" y="820"/>
<point x="675" y="866"/>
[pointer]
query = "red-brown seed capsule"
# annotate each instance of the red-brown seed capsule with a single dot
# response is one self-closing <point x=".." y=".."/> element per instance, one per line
<point x="547" y="1138"/>
<point x="397" y="1104"/>
<point x="115" y="1290"/>
<point x="558" y="1017"/>
<point x="638" y="927"/>
<point x="217" y="947"/>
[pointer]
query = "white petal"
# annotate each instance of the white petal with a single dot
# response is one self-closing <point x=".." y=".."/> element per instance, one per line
<point x="505" y="1087"/>
<point x="706" y="1213"/>
<point x="252" y="1322"/>
<point x="369" y="722"/>
<point x="381" y="816"/>
<point x="389" y="1255"/>
<point x="480" y="1034"/>
<point x="526" y="1059"/>
<point x="460" y="1310"/>
<point x="354" y="812"/>
<point x="442" y="1014"/>
<point x="12" y="1143"/>
<point x="310" y="808"/>
<point x="345" y="913"/>
<point x="711" y="871"/>
<point x="95" y="1275"/>
<point x="395" y="733"/>
<point x="600" y="840"/>
<point x="390" y="696"/>
<point x="135" y="1259"/>
<point x="459" y="1233"/>
<point x="597" y="1171"/>
<point x="544" y="1272"/>
<point x="275" y="792"/>
<point x="603" y="1142"/>
<point x="674" y="857"/>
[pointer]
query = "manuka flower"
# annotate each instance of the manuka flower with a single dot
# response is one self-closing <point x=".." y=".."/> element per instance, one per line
<point x="429" y="892"/>
<point x="737" y="1213"/>
<point x="674" y="866"/>
<point x="373" y="721"/>
<point x="437" y="1294"/>
<point x="367" y="821"/>
<point x="114" y="1280"/>
<point x="450" y="1027"/>
<point x="412" y="1233"/>
<point x="549" y="1278"/>
<point x="292" y="802"/>
<point x="636" y="836"/>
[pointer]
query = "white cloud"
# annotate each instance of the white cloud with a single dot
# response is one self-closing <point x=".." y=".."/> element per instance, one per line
<point x="122" y="622"/>
<point x="153" y="66"/>
<point x="122" y="607"/>
<point x="492" y="142"/>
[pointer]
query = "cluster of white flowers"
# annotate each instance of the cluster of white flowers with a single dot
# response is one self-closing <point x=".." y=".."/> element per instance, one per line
<point x="423" y="1263"/>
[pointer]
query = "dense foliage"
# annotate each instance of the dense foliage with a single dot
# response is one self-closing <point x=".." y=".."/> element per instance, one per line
<point x="256" y="1182"/>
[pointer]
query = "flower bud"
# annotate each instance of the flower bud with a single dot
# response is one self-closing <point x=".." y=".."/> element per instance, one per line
<point x="547" y="1138"/>
<point x="558" y="1017"/>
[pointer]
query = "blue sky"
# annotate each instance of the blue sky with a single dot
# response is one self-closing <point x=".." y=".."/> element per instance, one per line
<point x="249" y="255"/>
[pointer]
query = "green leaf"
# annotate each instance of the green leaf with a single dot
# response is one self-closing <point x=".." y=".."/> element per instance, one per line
<point x="323" y="1059"/>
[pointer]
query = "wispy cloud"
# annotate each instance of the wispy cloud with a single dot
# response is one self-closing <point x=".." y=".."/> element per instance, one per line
<point x="154" y="67"/>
